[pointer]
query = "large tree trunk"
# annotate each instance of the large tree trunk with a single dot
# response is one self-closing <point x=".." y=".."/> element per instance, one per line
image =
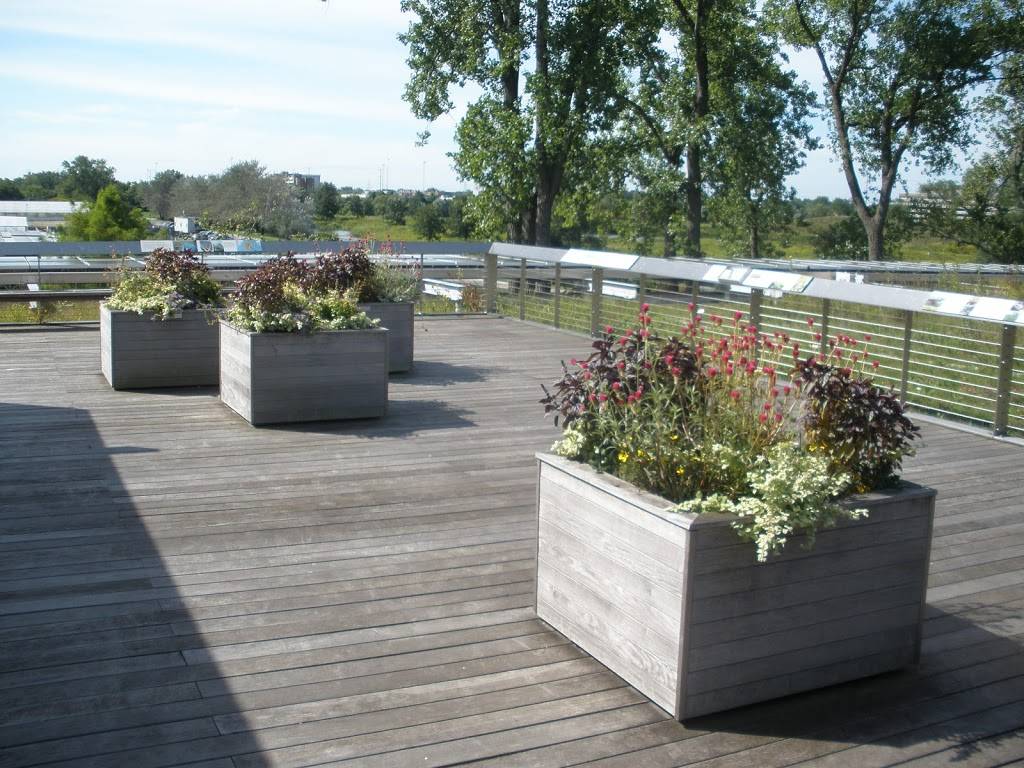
<point x="875" y="228"/>
<point x="547" y="190"/>
<point x="755" y="240"/>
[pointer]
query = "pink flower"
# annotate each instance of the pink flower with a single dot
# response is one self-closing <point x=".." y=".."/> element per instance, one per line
<point x="644" y="307"/>
<point x="677" y="372"/>
<point x="712" y="372"/>
<point x="735" y="394"/>
<point x="867" y="337"/>
<point x="616" y="385"/>
<point x="586" y="375"/>
<point x="737" y="315"/>
<point x="763" y="417"/>
<point x="874" y="363"/>
<point x="810" y="322"/>
<point x="603" y="397"/>
<point x="786" y="390"/>
<point x="691" y="306"/>
<point x="609" y="330"/>
<point x="621" y="365"/>
<point x="778" y="416"/>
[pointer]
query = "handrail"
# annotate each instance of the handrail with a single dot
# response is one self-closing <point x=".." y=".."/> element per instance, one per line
<point x="916" y="373"/>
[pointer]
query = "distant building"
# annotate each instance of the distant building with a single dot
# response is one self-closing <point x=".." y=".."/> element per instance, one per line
<point x="15" y="229"/>
<point x="304" y="181"/>
<point x="40" y="214"/>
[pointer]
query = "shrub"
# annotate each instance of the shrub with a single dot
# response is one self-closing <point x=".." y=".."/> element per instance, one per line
<point x="170" y="283"/>
<point x="287" y="295"/>
<point x="724" y="418"/>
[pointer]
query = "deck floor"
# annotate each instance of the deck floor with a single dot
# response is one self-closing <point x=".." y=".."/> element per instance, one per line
<point x="178" y="588"/>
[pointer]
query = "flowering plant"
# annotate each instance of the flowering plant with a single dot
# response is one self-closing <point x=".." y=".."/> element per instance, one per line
<point x="286" y="295"/>
<point x="728" y="419"/>
<point x="352" y="272"/>
<point x="170" y="283"/>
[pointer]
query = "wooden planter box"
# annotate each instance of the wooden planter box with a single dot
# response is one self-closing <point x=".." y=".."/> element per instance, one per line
<point x="397" y="317"/>
<point x="275" y="378"/>
<point x="678" y="606"/>
<point x="138" y="352"/>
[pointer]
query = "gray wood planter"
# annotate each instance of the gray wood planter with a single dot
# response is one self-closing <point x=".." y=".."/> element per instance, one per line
<point x="397" y="317"/>
<point x="276" y="378"/>
<point x="678" y="606"/>
<point x="138" y="352"/>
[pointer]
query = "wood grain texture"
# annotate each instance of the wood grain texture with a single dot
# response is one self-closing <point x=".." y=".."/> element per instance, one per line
<point x="177" y="588"/>
<point x="398" y="318"/>
<point x="138" y="352"/>
<point x="285" y="378"/>
<point x="643" y="593"/>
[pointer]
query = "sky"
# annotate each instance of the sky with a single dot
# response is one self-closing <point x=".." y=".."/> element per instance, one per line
<point x="301" y="85"/>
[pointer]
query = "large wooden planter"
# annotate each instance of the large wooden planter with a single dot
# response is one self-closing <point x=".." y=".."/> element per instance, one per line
<point x="679" y="607"/>
<point x="275" y="378"/>
<point x="397" y="317"/>
<point x="138" y="352"/>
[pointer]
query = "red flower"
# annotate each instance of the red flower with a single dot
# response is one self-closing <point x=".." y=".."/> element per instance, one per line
<point x="644" y="307"/>
<point x="737" y="315"/>
<point x="735" y="394"/>
<point x="609" y="330"/>
<point x="778" y="416"/>
<point x="810" y="322"/>
<point x="763" y="417"/>
<point x="867" y="337"/>
<point x="603" y="397"/>
<point x="677" y="372"/>
<point x="712" y="372"/>
<point x="874" y="363"/>
<point x="691" y="306"/>
<point x="786" y="390"/>
<point x="616" y="385"/>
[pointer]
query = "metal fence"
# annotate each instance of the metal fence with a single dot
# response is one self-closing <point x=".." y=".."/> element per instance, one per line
<point x="958" y="367"/>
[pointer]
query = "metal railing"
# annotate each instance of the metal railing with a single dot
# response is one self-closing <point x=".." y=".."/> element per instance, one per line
<point x="957" y="367"/>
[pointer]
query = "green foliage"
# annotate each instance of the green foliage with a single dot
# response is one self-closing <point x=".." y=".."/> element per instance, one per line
<point x="283" y="295"/>
<point x="901" y="80"/>
<point x="390" y="282"/>
<point x="109" y="218"/>
<point x="326" y="203"/>
<point x="428" y="222"/>
<point x="791" y="492"/>
<point x="711" y="422"/>
<point x="157" y="195"/>
<point x="84" y="178"/>
<point x="846" y="238"/>
<point x="9" y="190"/>
<point x="170" y="283"/>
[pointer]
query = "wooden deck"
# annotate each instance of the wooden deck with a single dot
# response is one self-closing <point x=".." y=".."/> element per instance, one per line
<point x="179" y="588"/>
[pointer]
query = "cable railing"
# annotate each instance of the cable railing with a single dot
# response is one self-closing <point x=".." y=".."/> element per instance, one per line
<point x="951" y="364"/>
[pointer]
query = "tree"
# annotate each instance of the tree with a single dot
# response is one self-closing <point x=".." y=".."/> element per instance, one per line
<point x="899" y="76"/>
<point x="715" y="110"/>
<point x="518" y="146"/>
<point x="326" y="203"/>
<point x="109" y="218"/>
<point x="428" y="221"/>
<point x="83" y="178"/>
<point x="9" y="190"/>
<point x="157" y="194"/>
<point x="40" y="185"/>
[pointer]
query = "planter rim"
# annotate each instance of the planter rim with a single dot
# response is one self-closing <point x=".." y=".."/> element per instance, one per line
<point x="300" y="334"/>
<point x="662" y="508"/>
<point x="150" y="313"/>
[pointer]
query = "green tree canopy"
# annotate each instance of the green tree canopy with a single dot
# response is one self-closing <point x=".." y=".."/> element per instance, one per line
<point x="109" y="218"/>
<point x="899" y="80"/>
<point x="83" y="178"/>
<point x="326" y="203"/>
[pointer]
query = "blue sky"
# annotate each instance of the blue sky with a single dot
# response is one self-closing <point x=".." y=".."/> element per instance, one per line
<point x="300" y="85"/>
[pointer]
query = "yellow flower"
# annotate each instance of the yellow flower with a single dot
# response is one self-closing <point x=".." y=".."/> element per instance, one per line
<point x="673" y="437"/>
<point x="680" y="471"/>
<point x="623" y="457"/>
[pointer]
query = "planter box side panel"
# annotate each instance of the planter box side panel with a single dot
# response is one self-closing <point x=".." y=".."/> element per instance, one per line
<point x="139" y="352"/>
<point x="850" y="607"/>
<point x="398" y="319"/>
<point x="610" y="578"/>
<point x="236" y="371"/>
<point x="321" y="377"/>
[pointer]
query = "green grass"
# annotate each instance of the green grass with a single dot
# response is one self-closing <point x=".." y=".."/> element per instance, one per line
<point x="49" y="311"/>
<point x="375" y="228"/>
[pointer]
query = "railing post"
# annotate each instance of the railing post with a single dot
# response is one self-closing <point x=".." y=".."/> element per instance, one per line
<point x="826" y="309"/>
<point x="558" y="295"/>
<point x="641" y="289"/>
<point x="694" y="294"/>
<point x="756" y="297"/>
<point x="491" y="283"/>
<point x="1004" y="390"/>
<point x="597" y="284"/>
<point x="522" y="289"/>
<point x="908" y="332"/>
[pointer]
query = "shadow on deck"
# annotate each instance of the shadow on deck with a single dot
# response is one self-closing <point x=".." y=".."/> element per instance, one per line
<point x="178" y="588"/>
